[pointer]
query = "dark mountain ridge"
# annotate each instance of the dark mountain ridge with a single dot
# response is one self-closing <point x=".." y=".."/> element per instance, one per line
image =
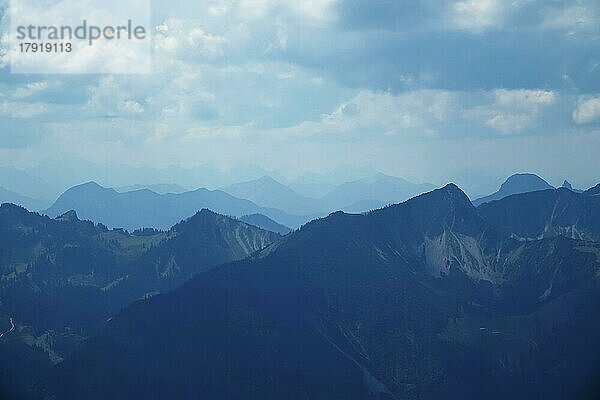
<point x="545" y="213"/>
<point x="61" y="279"/>
<point x="423" y="299"/>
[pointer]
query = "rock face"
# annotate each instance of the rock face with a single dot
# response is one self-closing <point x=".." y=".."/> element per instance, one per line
<point x="428" y="299"/>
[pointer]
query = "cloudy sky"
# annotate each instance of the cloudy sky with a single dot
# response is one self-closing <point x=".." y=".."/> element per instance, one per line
<point x="427" y="90"/>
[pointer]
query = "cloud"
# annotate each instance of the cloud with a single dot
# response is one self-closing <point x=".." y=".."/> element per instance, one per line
<point x="10" y="109"/>
<point x="176" y="37"/>
<point x="371" y="114"/>
<point x="523" y="98"/>
<point x="587" y="110"/>
<point x="476" y="15"/>
<point x="289" y="84"/>
<point x="30" y="89"/>
<point x="512" y="111"/>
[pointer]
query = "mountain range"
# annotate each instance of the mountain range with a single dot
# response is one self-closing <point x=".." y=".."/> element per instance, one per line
<point x="432" y="298"/>
<point x="358" y="195"/>
<point x="267" y="192"/>
<point x="61" y="279"/>
<point x="145" y="208"/>
<point x="139" y="206"/>
<point x="160" y="188"/>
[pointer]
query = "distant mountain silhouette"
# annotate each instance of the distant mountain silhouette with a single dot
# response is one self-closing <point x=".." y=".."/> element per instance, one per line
<point x="264" y="222"/>
<point x="423" y="299"/>
<point x="144" y="208"/>
<point x="313" y="190"/>
<point x="515" y="184"/>
<point x="70" y="171"/>
<point x="8" y="196"/>
<point x="338" y="175"/>
<point x="382" y="188"/>
<point x="267" y="192"/>
<point x="160" y="188"/>
<point x="356" y="196"/>
<point x="27" y="184"/>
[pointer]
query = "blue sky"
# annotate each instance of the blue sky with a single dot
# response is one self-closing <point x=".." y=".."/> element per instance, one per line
<point x="427" y="90"/>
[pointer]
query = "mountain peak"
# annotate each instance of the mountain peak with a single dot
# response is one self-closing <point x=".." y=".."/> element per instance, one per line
<point x="203" y="217"/>
<point x="10" y="206"/>
<point x="517" y="184"/>
<point x="267" y="179"/>
<point x="69" y="216"/>
<point x="91" y="185"/>
<point x="433" y="212"/>
<point x="524" y="182"/>
<point x="452" y="193"/>
<point x="453" y="189"/>
<point x="567" y="185"/>
<point x="204" y="213"/>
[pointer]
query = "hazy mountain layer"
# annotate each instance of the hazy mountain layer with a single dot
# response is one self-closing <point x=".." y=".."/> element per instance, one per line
<point x="144" y="208"/>
<point x="8" y="196"/>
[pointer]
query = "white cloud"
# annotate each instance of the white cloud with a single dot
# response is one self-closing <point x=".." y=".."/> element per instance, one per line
<point x="512" y="111"/>
<point x="509" y="123"/>
<point x="30" y="89"/>
<point x="476" y="15"/>
<point x="11" y="109"/>
<point x="176" y="37"/>
<point x="481" y="15"/>
<point x="319" y="10"/>
<point x="525" y="98"/>
<point x="587" y="110"/>
<point x="373" y="113"/>
<point x="582" y="17"/>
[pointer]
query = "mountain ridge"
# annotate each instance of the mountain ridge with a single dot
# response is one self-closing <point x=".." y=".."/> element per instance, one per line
<point x="62" y="278"/>
<point x="144" y="208"/>
<point x="337" y="310"/>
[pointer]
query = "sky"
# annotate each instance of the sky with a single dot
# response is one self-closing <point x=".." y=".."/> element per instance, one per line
<point x="426" y="90"/>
